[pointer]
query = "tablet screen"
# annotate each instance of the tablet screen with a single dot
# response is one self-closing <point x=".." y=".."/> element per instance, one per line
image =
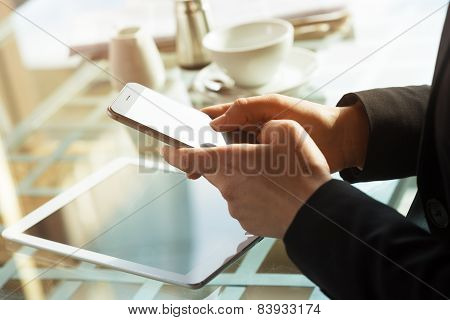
<point x="158" y="219"/>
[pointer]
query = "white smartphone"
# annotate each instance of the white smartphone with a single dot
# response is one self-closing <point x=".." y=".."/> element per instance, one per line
<point x="163" y="118"/>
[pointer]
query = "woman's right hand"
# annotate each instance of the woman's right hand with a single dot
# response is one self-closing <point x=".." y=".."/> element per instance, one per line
<point x="340" y="133"/>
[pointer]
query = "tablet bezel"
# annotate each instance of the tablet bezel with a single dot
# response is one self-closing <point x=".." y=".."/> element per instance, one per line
<point x="196" y="278"/>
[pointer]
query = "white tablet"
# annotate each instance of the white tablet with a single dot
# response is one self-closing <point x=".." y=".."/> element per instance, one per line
<point x="144" y="220"/>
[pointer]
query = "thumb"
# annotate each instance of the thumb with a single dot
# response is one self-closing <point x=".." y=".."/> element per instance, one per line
<point x="226" y="160"/>
<point x="193" y="161"/>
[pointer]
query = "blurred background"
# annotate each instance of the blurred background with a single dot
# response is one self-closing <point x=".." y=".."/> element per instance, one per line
<point x="55" y="86"/>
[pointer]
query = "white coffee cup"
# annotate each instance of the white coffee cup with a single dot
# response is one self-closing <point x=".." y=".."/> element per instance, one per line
<point x="251" y="53"/>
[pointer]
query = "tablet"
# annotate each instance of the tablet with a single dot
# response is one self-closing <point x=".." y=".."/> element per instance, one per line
<point x="141" y="219"/>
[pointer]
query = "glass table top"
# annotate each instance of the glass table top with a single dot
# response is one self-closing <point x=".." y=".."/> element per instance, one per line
<point x="67" y="135"/>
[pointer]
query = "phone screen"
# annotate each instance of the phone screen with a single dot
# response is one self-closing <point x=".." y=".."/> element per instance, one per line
<point x="169" y="117"/>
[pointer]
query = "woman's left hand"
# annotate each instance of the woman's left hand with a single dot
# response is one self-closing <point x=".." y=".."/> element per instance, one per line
<point x="264" y="184"/>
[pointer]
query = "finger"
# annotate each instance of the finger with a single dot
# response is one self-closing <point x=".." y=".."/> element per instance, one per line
<point x="247" y="112"/>
<point x="291" y="134"/>
<point x="195" y="161"/>
<point x="175" y="157"/>
<point x="193" y="176"/>
<point x="281" y="132"/>
<point x="180" y="159"/>
<point x="224" y="160"/>
<point x="217" y="110"/>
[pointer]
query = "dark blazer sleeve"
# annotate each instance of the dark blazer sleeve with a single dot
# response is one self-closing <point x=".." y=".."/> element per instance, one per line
<point x="396" y="117"/>
<point x="354" y="247"/>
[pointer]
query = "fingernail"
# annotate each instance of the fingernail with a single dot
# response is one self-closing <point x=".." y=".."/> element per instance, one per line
<point x="217" y="121"/>
<point x="163" y="150"/>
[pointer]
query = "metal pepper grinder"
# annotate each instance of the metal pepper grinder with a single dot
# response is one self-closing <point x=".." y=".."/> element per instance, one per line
<point x="192" y="26"/>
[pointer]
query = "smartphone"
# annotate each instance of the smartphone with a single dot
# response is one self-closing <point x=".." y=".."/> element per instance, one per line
<point x="163" y="118"/>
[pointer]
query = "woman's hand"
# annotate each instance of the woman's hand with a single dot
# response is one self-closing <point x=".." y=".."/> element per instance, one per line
<point x="264" y="184"/>
<point x="340" y="133"/>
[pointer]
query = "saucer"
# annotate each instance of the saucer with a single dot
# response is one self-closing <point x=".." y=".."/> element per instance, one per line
<point x="293" y="72"/>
